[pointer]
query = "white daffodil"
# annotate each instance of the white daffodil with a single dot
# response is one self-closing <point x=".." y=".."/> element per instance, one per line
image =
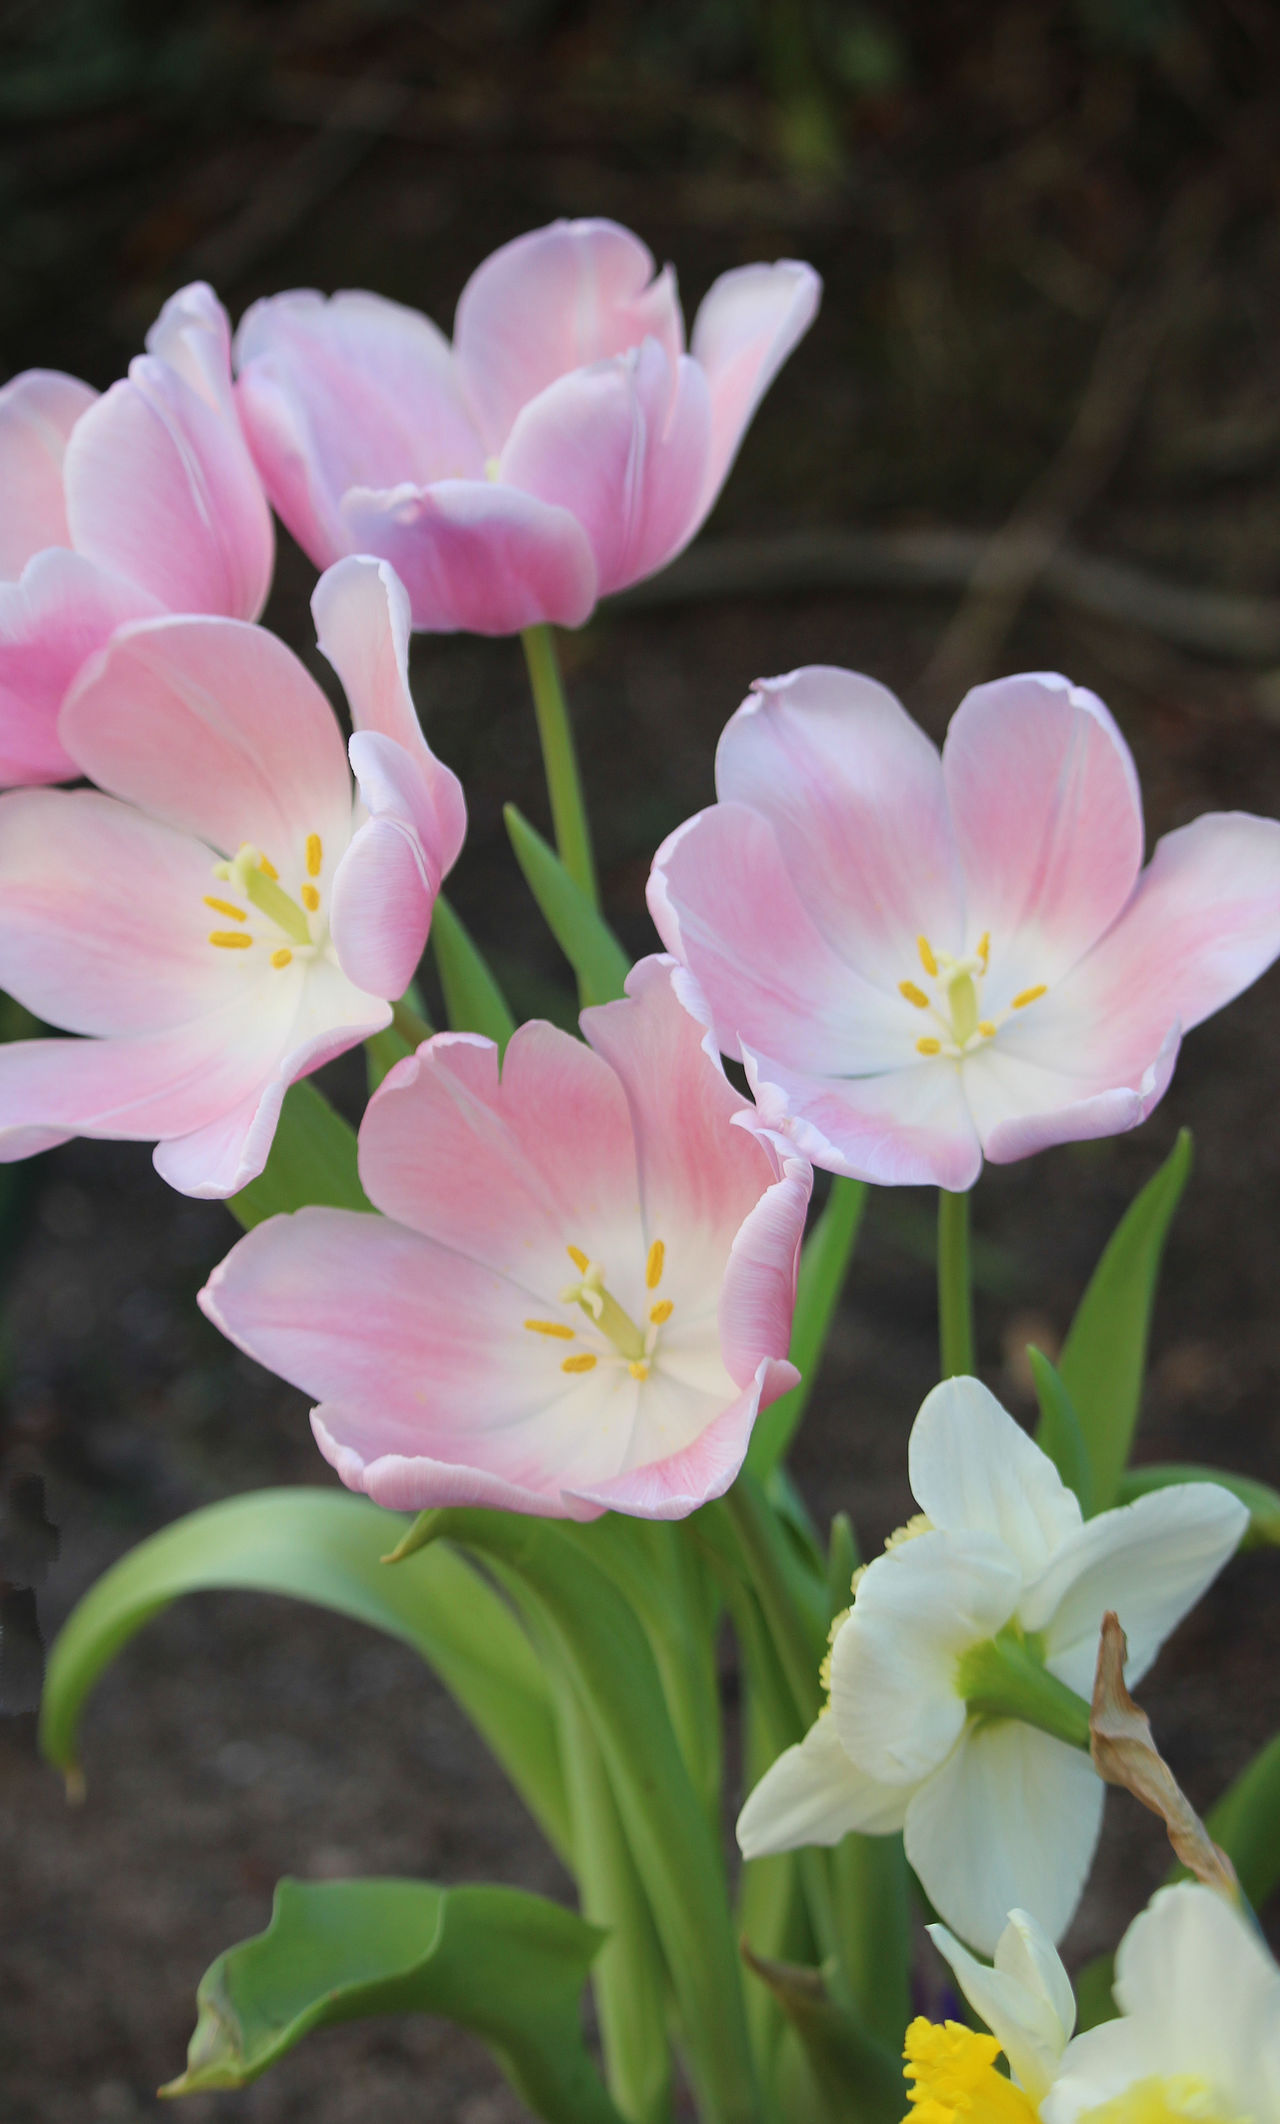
<point x="959" y="1678"/>
<point x="1026" y="1999"/>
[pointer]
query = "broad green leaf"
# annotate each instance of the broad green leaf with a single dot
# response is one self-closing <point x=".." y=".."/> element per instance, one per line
<point x="1263" y="1502"/>
<point x="583" y="935"/>
<point x="1058" y="1432"/>
<point x="507" y="1965"/>
<point x="381" y="1053"/>
<point x="1104" y="1357"/>
<point x="326" y="1547"/>
<point x="823" y="1264"/>
<point x="313" y="1159"/>
<point x="473" y="1000"/>
<point x="859" y="2079"/>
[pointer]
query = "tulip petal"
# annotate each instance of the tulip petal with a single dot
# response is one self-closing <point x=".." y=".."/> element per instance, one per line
<point x="905" y="1128"/>
<point x="746" y="326"/>
<point x="553" y="301"/>
<point x="386" y="884"/>
<point x="1021" y="1105"/>
<point x="1150" y="1561"/>
<point x="52" y="620"/>
<point x="973" y="1467"/>
<point x="813" y="1794"/>
<point x="38" y="410"/>
<point x="477" y="556"/>
<point x="1011" y="1819"/>
<point x="893" y="1664"/>
<point x="672" y="1484"/>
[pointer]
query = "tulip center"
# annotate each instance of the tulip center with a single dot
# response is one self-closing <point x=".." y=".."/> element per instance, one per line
<point x="289" y="928"/>
<point x="955" y="1001"/>
<point x="612" y="1334"/>
<point x="953" y="2074"/>
<point x="1159" y="2100"/>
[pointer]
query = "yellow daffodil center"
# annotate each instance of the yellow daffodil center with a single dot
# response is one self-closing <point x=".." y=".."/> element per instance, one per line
<point x="954" y="2079"/>
<point x="287" y="929"/>
<point x="1179" y="2099"/>
<point x="621" y="1336"/>
<point x="954" y="1000"/>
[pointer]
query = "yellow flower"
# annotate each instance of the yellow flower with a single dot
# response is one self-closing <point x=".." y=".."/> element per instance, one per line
<point x="955" y="2079"/>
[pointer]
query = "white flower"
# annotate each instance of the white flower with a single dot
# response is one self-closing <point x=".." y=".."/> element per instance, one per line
<point x="1026" y="2000"/>
<point x="997" y="1813"/>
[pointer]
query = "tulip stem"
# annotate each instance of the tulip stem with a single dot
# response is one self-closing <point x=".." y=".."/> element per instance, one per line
<point x="955" y="1285"/>
<point x="412" y="1027"/>
<point x="560" y="760"/>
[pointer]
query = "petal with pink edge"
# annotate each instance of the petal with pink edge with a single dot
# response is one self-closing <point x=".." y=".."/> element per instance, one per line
<point x="51" y="621"/>
<point x="681" y="1481"/>
<point x="386" y="884"/>
<point x="477" y="557"/>
<point x="553" y="301"/>
<point x="38" y="410"/>
<point x="746" y="326"/>
<point x="907" y="1128"/>
<point x="1022" y="1106"/>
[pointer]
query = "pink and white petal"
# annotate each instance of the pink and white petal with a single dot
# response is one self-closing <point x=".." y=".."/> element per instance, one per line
<point x="402" y="1482"/>
<point x="161" y="488"/>
<point x="38" y="410"/>
<point x="1150" y="1561"/>
<point x="854" y="791"/>
<point x="747" y="324"/>
<point x="1048" y="820"/>
<point x="758" y="1295"/>
<point x="290" y="463"/>
<point x="893" y="1665"/>
<point x="476" y="556"/>
<point x="385" y="887"/>
<point x="1009" y="1820"/>
<point x="971" y="1466"/>
<point x="813" y="1794"/>
<point x="676" y="1482"/>
<point x="192" y="336"/>
<point x="52" y="620"/>
<point x="1021" y="1105"/>
<point x="105" y="928"/>
<point x="214" y="726"/>
<point x="903" y="1128"/>
<point x="555" y="300"/>
<point x="677" y="444"/>
<point x="724" y="903"/>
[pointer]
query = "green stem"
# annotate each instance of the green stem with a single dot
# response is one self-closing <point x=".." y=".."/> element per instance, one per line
<point x="799" y="1655"/>
<point x="955" y="1285"/>
<point x="1003" y="1678"/>
<point x="559" y="760"/>
<point x="409" y="1023"/>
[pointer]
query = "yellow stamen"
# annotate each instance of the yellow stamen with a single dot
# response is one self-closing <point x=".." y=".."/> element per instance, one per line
<point x="550" y="1327"/>
<point x="315" y="855"/>
<point x="230" y="939"/>
<point x="581" y="1261"/>
<point x="954" y="2074"/>
<point x="654" y="1265"/>
<point x="928" y="1047"/>
<point x="283" y="957"/>
<point x="225" y="907"/>
<point x="310" y="898"/>
<point x="585" y="1363"/>
<point x="913" y="994"/>
<point x="984" y="948"/>
<point x="1029" y="995"/>
<point x="265" y="864"/>
<point x="661" y="1311"/>
<point x="639" y="1370"/>
<point x="927" y="960"/>
<point x="986" y="1028"/>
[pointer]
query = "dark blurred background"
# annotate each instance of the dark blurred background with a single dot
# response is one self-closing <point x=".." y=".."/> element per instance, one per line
<point x="1036" y="425"/>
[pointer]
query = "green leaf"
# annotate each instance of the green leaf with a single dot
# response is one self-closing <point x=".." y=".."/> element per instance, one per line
<point x="1263" y="1530"/>
<point x="381" y="1053"/>
<point x="326" y="1547"/>
<point x="507" y="1965"/>
<point x="823" y="1265"/>
<point x="1059" y="1433"/>
<point x="583" y="935"/>
<point x="313" y="1159"/>
<point x="1104" y="1357"/>
<point x="860" y="2080"/>
<point x="473" y="1000"/>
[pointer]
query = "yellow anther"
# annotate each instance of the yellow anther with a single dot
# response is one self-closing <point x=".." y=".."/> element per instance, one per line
<point x="550" y="1327"/>
<point x="265" y="864"/>
<point x="927" y="960"/>
<point x="653" y="1266"/>
<point x="283" y="957"/>
<point x="315" y="855"/>
<point x="984" y="948"/>
<point x="585" y="1363"/>
<point x="986" y="1028"/>
<point x="580" y="1260"/>
<point x="639" y="1370"/>
<point x="230" y="939"/>
<point x="1029" y="995"/>
<point x="661" y="1311"/>
<point x="310" y="898"/>
<point x="237" y="914"/>
<point x="928" y="1047"/>
<point x="913" y="994"/>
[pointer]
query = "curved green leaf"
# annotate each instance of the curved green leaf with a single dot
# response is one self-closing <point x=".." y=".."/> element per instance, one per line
<point x="1263" y="1530"/>
<point x="326" y="1546"/>
<point x="583" y="935"/>
<point x="473" y="1000"/>
<point x="313" y="1159"/>
<point x="1059" y="1433"/>
<point x="507" y="1965"/>
<point x="1105" y="1354"/>
<point x="823" y="1265"/>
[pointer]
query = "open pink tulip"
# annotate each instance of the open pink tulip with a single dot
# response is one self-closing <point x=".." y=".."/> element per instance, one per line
<point x="579" y="1293"/>
<point x="116" y="508"/>
<point x="922" y="961"/>
<point x="222" y="921"/>
<point x="564" y="446"/>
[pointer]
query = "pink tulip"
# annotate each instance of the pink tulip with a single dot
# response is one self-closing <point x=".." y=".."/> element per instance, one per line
<point x="219" y="922"/>
<point x="579" y="1293"/>
<point x="922" y="961"/>
<point x="563" y="447"/>
<point x="119" y="508"/>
